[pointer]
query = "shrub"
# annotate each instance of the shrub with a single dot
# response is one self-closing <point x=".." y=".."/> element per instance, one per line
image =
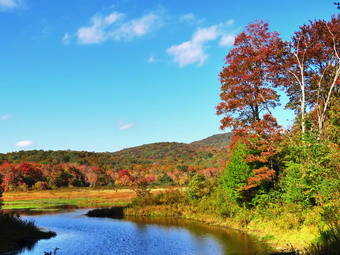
<point x="165" y="179"/>
<point x="329" y="239"/>
<point x="310" y="177"/>
<point x="198" y="187"/>
<point x="23" y="187"/>
<point x="170" y="196"/>
<point x="41" y="186"/>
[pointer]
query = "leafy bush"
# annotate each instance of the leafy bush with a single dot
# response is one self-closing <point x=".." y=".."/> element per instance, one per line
<point x="198" y="187"/>
<point x="329" y="239"/>
<point x="165" y="179"/>
<point x="41" y="186"/>
<point x="310" y="177"/>
<point x="170" y="196"/>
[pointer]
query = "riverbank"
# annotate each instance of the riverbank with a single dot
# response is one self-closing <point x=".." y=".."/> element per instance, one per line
<point x="184" y="212"/>
<point x="283" y="227"/>
<point x="78" y="234"/>
<point x="287" y="229"/>
<point x="16" y="234"/>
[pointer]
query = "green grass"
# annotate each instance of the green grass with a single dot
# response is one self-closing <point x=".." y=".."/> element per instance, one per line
<point x="57" y="203"/>
<point x="66" y="198"/>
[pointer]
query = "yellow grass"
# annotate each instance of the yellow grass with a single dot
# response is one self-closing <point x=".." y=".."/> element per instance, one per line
<point x="76" y="197"/>
<point x="79" y="197"/>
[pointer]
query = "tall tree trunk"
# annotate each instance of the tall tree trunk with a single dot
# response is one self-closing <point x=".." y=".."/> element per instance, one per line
<point x="323" y="110"/>
<point x="301" y="81"/>
<point x="303" y="114"/>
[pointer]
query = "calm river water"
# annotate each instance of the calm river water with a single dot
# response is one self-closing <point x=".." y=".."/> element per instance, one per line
<point x="81" y="235"/>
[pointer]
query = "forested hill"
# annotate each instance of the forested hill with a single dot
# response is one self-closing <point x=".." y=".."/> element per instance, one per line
<point x="219" y="140"/>
<point x="203" y="153"/>
<point x="156" y="163"/>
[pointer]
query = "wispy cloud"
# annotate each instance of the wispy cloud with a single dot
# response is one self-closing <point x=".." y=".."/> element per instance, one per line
<point x="66" y="39"/>
<point x="6" y="116"/>
<point x="187" y="17"/>
<point x="97" y="32"/>
<point x="10" y="4"/>
<point x="114" y="27"/>
<point x="122" y="125"/>
<point x="230" y="22"/>
<point x="191" y="19"/>
<point x="193" y="51"/>
<point x="24" y="144"/>
<point x="227" y="40"/>
<point x="153" y="59"/>
<point x="137" y="27"/>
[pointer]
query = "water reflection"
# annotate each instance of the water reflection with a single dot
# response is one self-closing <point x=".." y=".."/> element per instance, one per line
<point x="78" y="234"/>
<point x="230" y="241"/>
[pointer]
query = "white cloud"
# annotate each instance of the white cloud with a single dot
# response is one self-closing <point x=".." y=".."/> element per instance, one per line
<point x="66" y="39"/>
<point x="230" y="22"/>
<point x="126" y="126"/>
<point x="188" y="53"/>
<point x="112" y="18"/>
<point x="122" y="125"/>
<point x="10" y="4"/>
<point x="137" y="27"/>
<point x="96" y="33"/>
<point x="206" y="34"/>
<point x="88" y="35"/>
<point x="153" y="59"/>
<point x="191" y="19"/>
<point x="24" y="144"/>
<point x="112" y="27"/>
<point x="187" y="17"/>
<point x="193" y="51"/>
<point x="6" y="116"/>
<point x="227" y="40"/>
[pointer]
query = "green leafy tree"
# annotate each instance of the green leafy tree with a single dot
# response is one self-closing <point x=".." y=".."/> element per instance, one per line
<point x="236" y="174"/>
<point x="248" y="95"/>
<point x="198" y="187"/>
<point x="311" y="175"/>
<point x="165" y="179"/>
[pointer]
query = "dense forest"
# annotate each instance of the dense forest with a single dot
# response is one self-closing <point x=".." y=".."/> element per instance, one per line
<point x="158" y="163"/>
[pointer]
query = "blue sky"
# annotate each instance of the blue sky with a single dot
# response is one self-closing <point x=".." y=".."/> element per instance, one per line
<point x="102" y="75"/>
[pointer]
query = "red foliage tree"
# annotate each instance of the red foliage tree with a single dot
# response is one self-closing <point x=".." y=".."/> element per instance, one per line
<point x="249" y="92"/>
<point x="312" y="69"/>
<point x="30" y="173"/>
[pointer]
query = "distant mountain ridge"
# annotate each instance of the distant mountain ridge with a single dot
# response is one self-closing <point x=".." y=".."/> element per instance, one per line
<point x="219" y="140"/>
<point x="203" y="152"/>
<point x="160" y="163"/>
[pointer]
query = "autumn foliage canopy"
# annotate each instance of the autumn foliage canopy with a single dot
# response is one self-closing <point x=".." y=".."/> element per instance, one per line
<point x="249" y="94"/>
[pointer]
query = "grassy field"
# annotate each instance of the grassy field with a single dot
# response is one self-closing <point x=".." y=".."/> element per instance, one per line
<point x="72" y="197"/>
